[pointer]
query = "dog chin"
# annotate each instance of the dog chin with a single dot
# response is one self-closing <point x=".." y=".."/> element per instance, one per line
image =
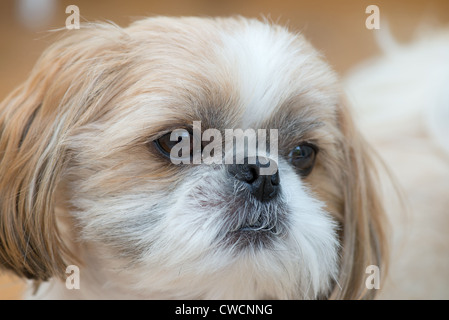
<point x="211" y="247"/>
<point x="87" y="176"/>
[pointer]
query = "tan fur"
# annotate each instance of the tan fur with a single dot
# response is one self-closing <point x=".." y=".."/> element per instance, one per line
<point x="82" y="80"/>
<point x="364" y="233"/>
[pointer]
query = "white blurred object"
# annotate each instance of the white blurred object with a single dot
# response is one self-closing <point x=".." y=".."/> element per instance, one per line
<point x="35" y="14"/>
<point x="402" y="101"/>
<point x="407" y="81"/>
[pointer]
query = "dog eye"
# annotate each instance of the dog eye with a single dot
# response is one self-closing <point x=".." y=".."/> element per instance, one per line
<point x="303" y="158"/>
<point x="164" y="144"/>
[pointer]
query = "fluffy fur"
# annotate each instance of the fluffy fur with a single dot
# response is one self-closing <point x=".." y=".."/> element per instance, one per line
<point x="81" y="184"/>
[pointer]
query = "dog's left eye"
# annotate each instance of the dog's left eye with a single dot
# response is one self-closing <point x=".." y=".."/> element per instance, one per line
<point x="303" y="158"/>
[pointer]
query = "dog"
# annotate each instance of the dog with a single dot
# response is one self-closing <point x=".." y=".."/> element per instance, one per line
<point x="87" y="177"/>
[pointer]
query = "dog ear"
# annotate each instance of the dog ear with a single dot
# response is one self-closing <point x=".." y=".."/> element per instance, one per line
<point x="363" y="226"/>
<point x="31" y="162"/>
<point x="61" y="94"/>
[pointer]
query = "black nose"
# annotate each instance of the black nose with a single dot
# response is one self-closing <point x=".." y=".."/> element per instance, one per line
<point x="263" y="187"/>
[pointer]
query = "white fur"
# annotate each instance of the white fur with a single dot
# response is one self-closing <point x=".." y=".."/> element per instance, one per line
<point x="258" y="57"/>
<point x="178" y="228"/>
<point x="183" y="261"/>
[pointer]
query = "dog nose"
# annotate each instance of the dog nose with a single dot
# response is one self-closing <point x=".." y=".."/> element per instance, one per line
<point x="262" y="187"/>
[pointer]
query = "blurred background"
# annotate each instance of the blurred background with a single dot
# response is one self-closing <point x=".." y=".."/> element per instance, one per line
<point x="336" y="28"/>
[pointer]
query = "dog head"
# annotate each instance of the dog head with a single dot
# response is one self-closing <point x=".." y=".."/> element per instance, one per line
<point x="86" y="175"/>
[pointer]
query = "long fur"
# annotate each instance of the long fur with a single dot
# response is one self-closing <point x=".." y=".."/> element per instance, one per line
<point x="79" y="184"/>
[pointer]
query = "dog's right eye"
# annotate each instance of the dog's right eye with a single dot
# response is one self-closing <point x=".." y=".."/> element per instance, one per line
<point x="165" y="143"/>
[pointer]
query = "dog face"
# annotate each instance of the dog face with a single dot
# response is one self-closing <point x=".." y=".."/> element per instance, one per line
<point x="86" y="176"/>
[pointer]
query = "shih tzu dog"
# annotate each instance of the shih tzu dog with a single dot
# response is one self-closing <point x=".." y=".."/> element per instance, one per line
<point x="87" y="177"/>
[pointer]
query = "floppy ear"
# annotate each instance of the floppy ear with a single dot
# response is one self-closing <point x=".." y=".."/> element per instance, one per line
<point x="363" y="233"/>
<point x="68" y="87"/>
<point x="31" y="163"/>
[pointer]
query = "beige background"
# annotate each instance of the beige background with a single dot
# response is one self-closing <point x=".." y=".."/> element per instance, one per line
<point x="337" y="28"/>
